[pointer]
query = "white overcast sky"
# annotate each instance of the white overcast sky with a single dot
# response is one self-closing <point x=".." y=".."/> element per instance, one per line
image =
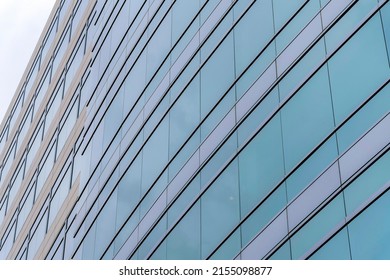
<point x="21" y="24"/>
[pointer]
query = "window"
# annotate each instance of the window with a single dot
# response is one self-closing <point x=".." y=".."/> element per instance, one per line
<point x="220" y="209"/>
<point x="369" y="232"/>
<point x="307" y="118"/>
<point x="261" y="165"/>
<point x="359" y="68"/>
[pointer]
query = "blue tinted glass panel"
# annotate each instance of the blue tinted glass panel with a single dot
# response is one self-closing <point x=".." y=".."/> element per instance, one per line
<point x="368" y="183"/>
<point x="263" y="214"/>
<point x="217" y="75"/>
<point x="307" y="118"/>
<point x="184" y="241"/>
<point x="359" y="68"/>
<point x="261" y="165"/>
<point x="335" y="249"/>
<point x="311" y="168"/>
<point x="369" y="232"/>
<point x="252" y="33"/>
<point x="184" y="116"/>
<point x="317" y="227"/>
<point x="220" y="209"/>
<point x="284" y="10"/>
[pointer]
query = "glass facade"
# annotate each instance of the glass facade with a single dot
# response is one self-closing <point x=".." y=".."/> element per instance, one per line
<point x="201" y="129"/>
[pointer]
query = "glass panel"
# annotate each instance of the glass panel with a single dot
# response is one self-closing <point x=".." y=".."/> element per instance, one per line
<point x="229" y="249"/>
<point x="263" y="214"/>
<point x="369" y="232"/>
<point x="183" y="243"/>
<point x="283" y="253"/>
<point x="37" y="237"/>
<point x="311" y="168"/>
<point x="252" y="33"/>
<point x="309" y="110"/>
<point x="182" y="13"/>
<point x="283" y="10"/>
<point x="317" y="227"/>
<point x="67" y="126"/>
<point x="184" y="116"/>
<point x="297" y="24"/>
<point x="155" y="154"/>
<point x="59" y="197"/>
<point x="261" y="165"/>
<point x="385" y="12"/>
<point x="129" y="191"/>
<point x="113" y="118"/>
<point x="348" y="23"/>
<point x="374" y="178"/>
<point x="365" y="118"/>
<point x="159" y="46"/>
<point x="335" y="249"/>
<point x="46" y="166"/>
<point x="220" y="210"/>
<point x="302" y="70"/>
<point x="217" y="75"/>
<point x="217" y="114"/>
<point x="184" y="200"/>
<point x="257" y="69"/>
<point x="105" y="225"/>
<point x="358" y="68"/>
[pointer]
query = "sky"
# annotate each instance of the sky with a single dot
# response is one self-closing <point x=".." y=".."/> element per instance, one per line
<point x="21" y="24"/>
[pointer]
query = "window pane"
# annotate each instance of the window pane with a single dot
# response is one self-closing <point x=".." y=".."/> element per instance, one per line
<point x="348" y="23"/>
<point x="283" y="10"/>
<point x="183" y="242"/>
<point x="155" y="154"/>
<point x="311" y="168"/>
<point x="184" y="116"/>
<point x="317" y="227"/>
<point x="359" y="68"/>
<point x="364" y="119"/>
<point x="335" y="249"/>
<point x="220" y="209"/>
<point x="263" y="215"/>
<point x="307" y="119"/>
<point x="385" y="12"/>
<point x="217" y="75"/>
<point x="252" y="33"/>
<point x="368" y="183"/>
<point x="261" y="165"/>
<point x="129" y="191"/>
<point x="369" y="232"/>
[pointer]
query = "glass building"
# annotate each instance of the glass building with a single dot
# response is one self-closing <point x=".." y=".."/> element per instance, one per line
<point x="201" y="129"/>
